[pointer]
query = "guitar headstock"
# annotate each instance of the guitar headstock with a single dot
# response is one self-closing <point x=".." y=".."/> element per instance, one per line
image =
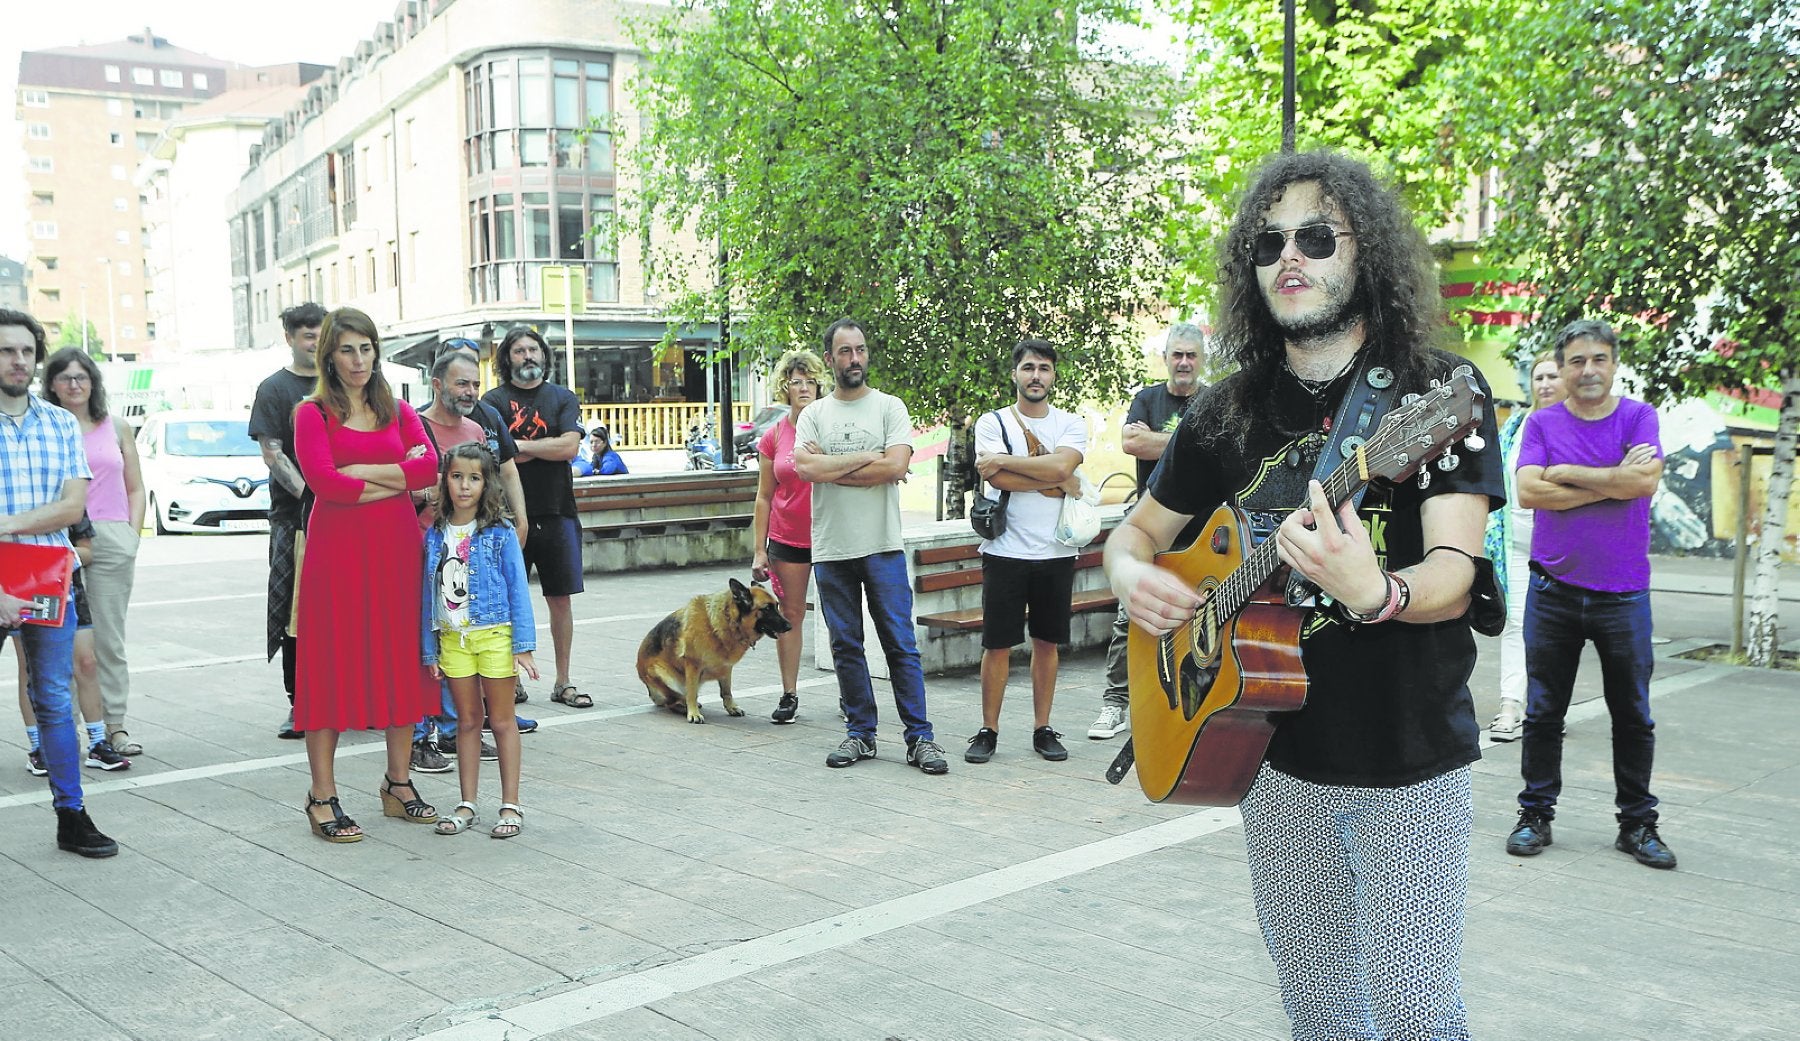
<point x="1426" y="427"/>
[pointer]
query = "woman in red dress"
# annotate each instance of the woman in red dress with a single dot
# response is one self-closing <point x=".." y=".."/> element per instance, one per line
<point x="361" y="452"/>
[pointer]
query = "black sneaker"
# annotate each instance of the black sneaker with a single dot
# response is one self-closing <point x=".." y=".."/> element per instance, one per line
<point x="853" y="750"/>
<point x="1639" y="838"/>
<point x="428" y="760"/>
<point x="1044" y="740"/>
<point x="1530" y="835"/>
<point x="981" y="746"/>
<point x="520" y="697"/>
<point x="34" y="764"/>
<point x="102" y="757"/>
<point x="787" y="710"/>
<point x="75" y="832"/>
<point x="925" y="754"/>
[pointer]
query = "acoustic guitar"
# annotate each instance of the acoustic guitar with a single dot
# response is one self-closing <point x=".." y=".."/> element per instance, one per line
<point x="1203" y="696"/>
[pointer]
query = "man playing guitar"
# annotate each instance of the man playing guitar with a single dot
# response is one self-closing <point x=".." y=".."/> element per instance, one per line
<point x="1358" y="822"/>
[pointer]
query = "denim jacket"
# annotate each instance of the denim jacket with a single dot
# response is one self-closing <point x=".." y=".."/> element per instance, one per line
<point x="498" y="594"/>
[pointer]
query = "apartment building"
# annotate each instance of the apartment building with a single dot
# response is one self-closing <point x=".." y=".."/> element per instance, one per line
<point x="90" y="114"/>
<point x="434" y="173"/>
<point x="12" y="285"/>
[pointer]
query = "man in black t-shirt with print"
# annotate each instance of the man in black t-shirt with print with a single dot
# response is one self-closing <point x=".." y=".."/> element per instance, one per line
<point x="272" y="427"/>
<point x="1357" y="825"/>
<point x="1150" y="420"/>
<point x="545" y="423"/>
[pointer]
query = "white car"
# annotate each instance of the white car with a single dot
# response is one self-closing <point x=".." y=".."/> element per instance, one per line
<point x="203" y="472"/>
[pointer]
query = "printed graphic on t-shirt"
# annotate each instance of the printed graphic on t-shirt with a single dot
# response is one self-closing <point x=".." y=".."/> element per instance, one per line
<point x="523" y="419"/>
<point x="843" y="438"/>
<point x="453" y="578"/>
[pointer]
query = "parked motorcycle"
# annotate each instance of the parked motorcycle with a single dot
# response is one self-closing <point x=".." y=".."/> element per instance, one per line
<point x="703" y="438"/>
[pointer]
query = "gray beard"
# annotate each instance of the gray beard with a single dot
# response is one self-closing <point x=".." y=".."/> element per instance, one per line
<point x="529" y="373"/>
<point x="461" y="409"/>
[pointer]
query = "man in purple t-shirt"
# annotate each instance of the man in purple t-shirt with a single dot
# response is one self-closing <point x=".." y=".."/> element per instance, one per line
<point x="1588" y="466"/>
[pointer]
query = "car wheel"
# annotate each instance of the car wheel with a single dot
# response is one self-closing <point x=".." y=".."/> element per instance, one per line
<point x="156" y="515"/>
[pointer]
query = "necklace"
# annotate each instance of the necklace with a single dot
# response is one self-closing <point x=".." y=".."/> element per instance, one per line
<point x="1317" y="388"/>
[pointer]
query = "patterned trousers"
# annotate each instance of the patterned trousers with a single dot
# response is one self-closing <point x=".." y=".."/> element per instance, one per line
<point x="1360" y="894"/>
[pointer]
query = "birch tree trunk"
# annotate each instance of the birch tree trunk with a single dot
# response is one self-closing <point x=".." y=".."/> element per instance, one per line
<point x="1765" y="603"/>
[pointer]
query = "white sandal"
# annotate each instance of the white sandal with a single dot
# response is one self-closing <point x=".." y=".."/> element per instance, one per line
<point x="517" y="824"/>
<point x="455" y="823"/>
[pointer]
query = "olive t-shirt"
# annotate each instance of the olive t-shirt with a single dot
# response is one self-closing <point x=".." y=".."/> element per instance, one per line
<point x="847" y="522"/>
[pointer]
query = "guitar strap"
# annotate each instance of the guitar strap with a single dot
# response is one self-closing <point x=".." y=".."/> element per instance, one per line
<point x="1368" y="398"/>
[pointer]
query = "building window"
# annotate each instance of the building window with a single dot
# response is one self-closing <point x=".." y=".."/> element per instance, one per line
<point x="538" y="110"/>
<point x="199" y="81"/>
<point x="149" y="331"/>
<point x="118" y="172"/>
<point x="38" y="131"/>
<point x="115" y="139"/>
<point x="51" y="296"/>
<point x="41" y="164"/>
<point x="119" y="204"/>
<point x="145" y="142"/>
<point x="512" y="237"/>
<point x="115" y="107"/>
<point x="171" y="78"/>
<point x="112" y="74"/>
<point x="43" y="198"/>
<point x="43" y="229"/>
<point x="369" y="266"/>
<point x="48" y="262"/>
<point x="143" y="77"/>
<point x="122" y="237"/>
<point x="35" y="98"/>
<point x="128" y="332"/>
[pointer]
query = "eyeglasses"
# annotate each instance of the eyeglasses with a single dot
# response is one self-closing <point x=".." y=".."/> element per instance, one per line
<point x="796" y="384"/>
<point x="1316" y="242"/>
<point x="72" y="378"/>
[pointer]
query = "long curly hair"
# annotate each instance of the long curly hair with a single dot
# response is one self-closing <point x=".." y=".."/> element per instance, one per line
<point x="1396" y="286"/>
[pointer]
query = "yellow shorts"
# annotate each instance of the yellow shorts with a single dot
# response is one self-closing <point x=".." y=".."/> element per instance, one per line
<point x="486" y="652"/>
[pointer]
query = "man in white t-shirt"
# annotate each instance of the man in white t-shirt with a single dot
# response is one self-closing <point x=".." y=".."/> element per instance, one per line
<point x="854" y="447"/>
<point x="1030" y="450"/>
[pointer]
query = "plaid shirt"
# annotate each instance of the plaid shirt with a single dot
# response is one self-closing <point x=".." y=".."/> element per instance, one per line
<point x="38" y="452"/>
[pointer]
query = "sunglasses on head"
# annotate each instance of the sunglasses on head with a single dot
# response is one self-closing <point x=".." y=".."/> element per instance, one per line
<point x="1316" y="242"/>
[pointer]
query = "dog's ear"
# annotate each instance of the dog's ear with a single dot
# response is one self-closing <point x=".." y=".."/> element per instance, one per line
<point x="740" y="595"/>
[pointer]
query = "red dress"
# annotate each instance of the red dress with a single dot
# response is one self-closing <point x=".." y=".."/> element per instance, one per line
<point x="359" y="648"/>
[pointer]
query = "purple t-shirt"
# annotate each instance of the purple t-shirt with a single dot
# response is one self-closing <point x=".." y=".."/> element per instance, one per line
<point x="1605" y="545"/>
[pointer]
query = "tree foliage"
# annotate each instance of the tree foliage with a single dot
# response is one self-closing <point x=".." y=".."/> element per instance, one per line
<point x="957" y="174"/>
<point x="69" y="335"/>
<point x="1651" y="153"/>
<point x="1372" y="77"/>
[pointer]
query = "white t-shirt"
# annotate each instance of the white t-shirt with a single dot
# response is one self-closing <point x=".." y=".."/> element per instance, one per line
<point x="1030" y="516"/>
<point x="847" y="522"/>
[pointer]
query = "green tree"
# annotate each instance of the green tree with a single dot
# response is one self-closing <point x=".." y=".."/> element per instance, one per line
<point x="956" y="173"/>
<point x="1376" y="78"/>
<point x="70" y="336"/>
<point x="1651" y="154"/>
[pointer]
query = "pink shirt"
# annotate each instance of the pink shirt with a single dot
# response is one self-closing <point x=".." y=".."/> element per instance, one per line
<point x="790" y="509"/>
<point x="106" y="492"/>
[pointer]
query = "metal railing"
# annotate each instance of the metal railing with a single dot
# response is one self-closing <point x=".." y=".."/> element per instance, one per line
<point x="653" y="425"/>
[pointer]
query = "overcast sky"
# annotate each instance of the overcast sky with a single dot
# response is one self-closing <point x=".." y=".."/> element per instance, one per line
<point x="256" y="33"/>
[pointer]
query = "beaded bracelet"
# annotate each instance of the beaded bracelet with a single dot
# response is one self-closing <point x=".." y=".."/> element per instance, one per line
<point x="1380" y="614"/>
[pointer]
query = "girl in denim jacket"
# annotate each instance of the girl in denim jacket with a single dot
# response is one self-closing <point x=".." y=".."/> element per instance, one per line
<point x="477" y="625"/>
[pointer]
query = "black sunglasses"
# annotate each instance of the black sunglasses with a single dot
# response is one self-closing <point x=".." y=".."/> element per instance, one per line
<point x="1316" y="242"/>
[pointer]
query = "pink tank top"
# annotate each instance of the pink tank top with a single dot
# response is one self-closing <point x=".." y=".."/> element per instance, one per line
<point x="106" y="493"/>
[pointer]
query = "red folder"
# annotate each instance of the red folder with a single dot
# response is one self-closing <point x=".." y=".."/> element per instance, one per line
<point x="40" y="574"/>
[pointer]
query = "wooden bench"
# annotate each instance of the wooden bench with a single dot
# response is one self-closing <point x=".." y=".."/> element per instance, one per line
<point x="632" y="522"/>
<point x="1084" y="601"/>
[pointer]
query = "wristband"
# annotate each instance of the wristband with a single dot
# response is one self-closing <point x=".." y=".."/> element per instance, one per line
<point x="1381" y="613"/>
<point x="1399" y="601"/>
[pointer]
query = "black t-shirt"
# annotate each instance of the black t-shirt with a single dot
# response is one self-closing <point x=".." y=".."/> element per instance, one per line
<point x="272" y="415"/>
<point x="1159" y="410"/>
<point x="1389" y="704"/>
<point x="545" y="411"/>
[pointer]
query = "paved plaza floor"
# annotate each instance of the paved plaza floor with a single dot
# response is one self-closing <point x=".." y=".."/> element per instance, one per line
<point x="685" y="882"/>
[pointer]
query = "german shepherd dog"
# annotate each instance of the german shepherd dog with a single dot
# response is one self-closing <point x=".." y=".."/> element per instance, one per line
<point x="702" y="642"/>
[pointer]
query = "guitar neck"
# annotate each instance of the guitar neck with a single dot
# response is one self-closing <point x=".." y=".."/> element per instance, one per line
<point x="1241" y="584"/>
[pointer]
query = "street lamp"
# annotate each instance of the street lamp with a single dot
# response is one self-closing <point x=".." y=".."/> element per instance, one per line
<point x="112" y="316"/>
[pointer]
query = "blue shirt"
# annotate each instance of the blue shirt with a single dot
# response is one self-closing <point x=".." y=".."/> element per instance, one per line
<point x="39" y="451"/>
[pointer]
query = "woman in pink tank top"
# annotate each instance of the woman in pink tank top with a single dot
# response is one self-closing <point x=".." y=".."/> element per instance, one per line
<point x="115" y="505"/>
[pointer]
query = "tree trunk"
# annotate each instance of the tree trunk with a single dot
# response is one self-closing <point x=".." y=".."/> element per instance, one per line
<point x="1765" y="603"/>
<point x="953" y="483"/>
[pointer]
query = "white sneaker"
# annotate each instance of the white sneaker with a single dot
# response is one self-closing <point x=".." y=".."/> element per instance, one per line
<point x="1509" y="724"/>
<point x="1112" y="721"/>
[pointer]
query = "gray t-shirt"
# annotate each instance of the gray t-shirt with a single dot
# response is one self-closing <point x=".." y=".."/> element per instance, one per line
<point x="848" y="523"/>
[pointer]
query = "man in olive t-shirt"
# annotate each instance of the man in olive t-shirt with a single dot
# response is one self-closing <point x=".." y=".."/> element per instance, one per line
<point x="854" y="447"/>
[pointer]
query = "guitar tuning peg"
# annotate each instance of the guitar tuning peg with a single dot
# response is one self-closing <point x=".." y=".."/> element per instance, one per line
<point x="1448" y="462"/>
<point x="1409" y="399"/>
<point x="1424" y="479"/>
<point x="1475" y="442"/>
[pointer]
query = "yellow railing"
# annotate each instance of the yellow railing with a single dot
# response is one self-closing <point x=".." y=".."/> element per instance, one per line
<point x="653" y="425"/>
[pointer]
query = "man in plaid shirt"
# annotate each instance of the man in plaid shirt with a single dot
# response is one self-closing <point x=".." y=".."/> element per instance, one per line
<point x="43" y="489"/>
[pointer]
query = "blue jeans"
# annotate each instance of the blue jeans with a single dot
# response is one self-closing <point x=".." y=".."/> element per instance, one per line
<point x="1559" y="619"/>
<point x="445" y="720"/>
<point x="51" y="654"/>
<point x="842" y="586"/>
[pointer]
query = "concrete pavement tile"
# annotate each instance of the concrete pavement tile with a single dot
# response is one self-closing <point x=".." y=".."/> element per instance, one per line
<point x="137" y="998"/>
<point x="44" y="924"/>
<point x="41" y="1012"/>
<point x="644" y="1024"/>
